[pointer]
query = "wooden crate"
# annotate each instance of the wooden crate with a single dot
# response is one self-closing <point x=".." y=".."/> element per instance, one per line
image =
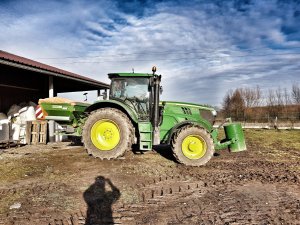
<point x="36" y="132"/>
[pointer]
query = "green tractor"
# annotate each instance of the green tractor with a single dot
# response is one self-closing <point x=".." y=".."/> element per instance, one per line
<point x="134" y="114"/>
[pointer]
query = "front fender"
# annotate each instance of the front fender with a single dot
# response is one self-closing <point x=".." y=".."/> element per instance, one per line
<point x="185" y="123"/>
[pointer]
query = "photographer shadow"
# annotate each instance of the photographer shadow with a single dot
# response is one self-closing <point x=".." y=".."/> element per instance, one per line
<point x="99" y="201"/>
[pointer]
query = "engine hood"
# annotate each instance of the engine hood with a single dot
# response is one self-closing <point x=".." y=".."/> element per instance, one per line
<point x="192" y="105"/>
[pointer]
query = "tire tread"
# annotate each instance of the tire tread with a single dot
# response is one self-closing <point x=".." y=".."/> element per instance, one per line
<point x="86" y="134"/>
<point x="175" y="140"/>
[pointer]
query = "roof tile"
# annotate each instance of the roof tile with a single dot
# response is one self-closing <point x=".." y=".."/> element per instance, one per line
<point x="21" y="60"/>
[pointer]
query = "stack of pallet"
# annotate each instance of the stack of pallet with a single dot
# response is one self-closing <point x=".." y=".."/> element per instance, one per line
<point x="36" y="132"/>
<point x="19" y="126"/>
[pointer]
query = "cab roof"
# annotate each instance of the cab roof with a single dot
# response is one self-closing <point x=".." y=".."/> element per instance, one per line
<point x="112" y="75"/>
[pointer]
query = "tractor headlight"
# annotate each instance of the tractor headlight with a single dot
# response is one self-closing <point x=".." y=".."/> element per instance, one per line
<point x="214" y="112"/>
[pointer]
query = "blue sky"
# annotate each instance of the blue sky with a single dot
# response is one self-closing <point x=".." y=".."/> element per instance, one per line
<point x="201" y="48"/>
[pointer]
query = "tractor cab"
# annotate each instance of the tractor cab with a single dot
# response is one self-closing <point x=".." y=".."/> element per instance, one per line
<point x="139" y="91"/>
<point x="134" y="92"/>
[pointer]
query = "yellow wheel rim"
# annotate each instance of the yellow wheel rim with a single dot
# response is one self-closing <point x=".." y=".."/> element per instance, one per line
<point x="105" y="135"/>
<point x="194" y="147"/>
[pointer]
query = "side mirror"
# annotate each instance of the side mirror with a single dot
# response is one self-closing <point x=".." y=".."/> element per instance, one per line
<point x="85" y="94"/>
<point x="160" y="90"/>
<point x="104" y="94"/>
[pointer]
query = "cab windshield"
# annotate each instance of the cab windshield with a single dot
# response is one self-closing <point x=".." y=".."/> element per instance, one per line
<point x="134" y="92"/>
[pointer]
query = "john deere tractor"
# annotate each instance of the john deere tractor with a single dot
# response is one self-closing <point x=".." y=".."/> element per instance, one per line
<point x="134" y="114"/>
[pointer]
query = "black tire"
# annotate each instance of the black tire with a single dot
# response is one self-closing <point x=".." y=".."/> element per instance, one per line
<point x="126" y="133"/>
<point x="178" y="138"/>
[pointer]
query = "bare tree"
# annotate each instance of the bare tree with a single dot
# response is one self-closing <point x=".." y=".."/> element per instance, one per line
<point x="287" y="102"/>
<point x="226" y="105"/>
<point x="258" y="96"/>
<point x="234" y="105"/>
<point x="252" y="96"/>
<point x="248" y="96"/>
<point x="271" y="102"/>
<point x="296" y="93"/>
<point x="237" y="105"/>
<point x="286" y="97"/>
<point x="279" y="97"/>
<point x="252" y="103"/>
<point x="296" y="97"/>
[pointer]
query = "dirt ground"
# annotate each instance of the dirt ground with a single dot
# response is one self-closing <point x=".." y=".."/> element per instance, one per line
<point x="61" y="184"/>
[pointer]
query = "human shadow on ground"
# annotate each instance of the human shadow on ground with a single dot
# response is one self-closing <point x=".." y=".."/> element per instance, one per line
<point x="99" y="201"/>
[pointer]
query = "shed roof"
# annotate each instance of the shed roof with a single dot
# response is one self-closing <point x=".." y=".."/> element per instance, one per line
<point x="24" y="63"/>
<point x="112" y="75"/>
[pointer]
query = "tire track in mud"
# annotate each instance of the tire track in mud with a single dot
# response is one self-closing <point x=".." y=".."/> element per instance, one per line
<point x="229" y="205"/>
<point x="152" y="192"/>
<point x="34" y="188"/>
<point x="220" y="173"/>
<point x="195" y="197"/>
<point x="163" y="191"/>
<point x="226" y="191"/>
<point x="188" y="200"/>
<point x="248" y="204"/>
<point x="33" y="196"/>
<point x="251" y="203"/>
<point x="153" y="195"/>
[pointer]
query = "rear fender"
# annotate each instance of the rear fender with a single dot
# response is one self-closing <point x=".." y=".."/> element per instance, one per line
<point x="114" y="104"/>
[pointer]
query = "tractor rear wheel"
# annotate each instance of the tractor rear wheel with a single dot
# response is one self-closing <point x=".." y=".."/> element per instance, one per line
<point x="192" y="146"/>
<point x="107" y="133"/>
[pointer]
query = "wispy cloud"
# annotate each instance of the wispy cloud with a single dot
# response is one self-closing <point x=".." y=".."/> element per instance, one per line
<point x="201" y="48"/>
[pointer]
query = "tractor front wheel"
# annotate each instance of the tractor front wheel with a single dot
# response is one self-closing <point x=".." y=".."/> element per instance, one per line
<point x="192" y="146"/>
<point x="107" y="133"/>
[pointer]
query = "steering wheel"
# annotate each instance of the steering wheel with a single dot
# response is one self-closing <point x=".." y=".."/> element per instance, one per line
<point x="130" y="100"/>
<point x="137" y="104"/>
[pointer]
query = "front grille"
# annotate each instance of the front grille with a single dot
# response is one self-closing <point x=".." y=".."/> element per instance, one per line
<point x="186" y="110"/>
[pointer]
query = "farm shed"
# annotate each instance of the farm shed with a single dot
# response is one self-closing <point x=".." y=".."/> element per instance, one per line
<point x="23" y="80"/>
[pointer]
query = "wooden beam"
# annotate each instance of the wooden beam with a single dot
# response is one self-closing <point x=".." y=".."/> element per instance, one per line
<point x="18" y="87"/>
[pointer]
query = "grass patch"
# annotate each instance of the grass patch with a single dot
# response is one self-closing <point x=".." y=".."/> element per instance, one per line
<point x="16" y="169"/>
<point x="10" y="199"/>
<point x="272" y="139"/>
<point x="272" y="145"/>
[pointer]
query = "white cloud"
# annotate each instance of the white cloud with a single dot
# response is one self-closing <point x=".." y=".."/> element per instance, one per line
<point x="201" y="49"/>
